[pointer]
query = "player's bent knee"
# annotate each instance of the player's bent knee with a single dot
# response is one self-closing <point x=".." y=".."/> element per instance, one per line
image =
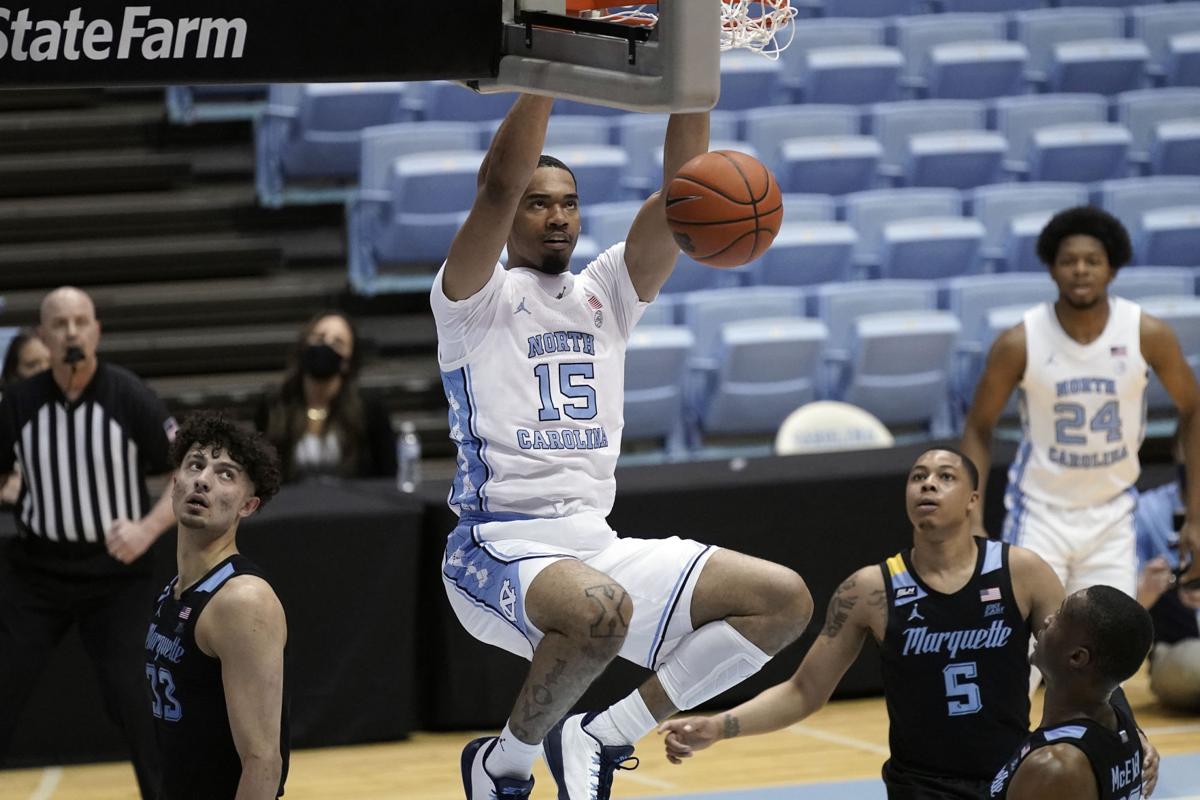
<point x="795" y="606"/>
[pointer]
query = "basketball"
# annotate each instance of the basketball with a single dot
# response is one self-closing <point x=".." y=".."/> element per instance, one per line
<point x="724" y="208"/>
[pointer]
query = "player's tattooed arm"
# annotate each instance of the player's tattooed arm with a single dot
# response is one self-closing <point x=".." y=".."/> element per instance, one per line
<point x="841" y="606"/>
<point x="730" y="727"/>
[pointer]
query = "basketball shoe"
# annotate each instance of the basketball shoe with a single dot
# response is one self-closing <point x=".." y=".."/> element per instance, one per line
<point x="482" y="786"/>
<point x="580" y="764"/>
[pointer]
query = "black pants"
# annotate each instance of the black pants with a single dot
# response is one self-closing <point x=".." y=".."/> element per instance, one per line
<point x="907" y="785"/>
<point x="37" y="608"/>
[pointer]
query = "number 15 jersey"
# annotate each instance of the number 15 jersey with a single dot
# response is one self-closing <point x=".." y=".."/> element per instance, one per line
<point x="534" y="371"/>
<point x="1083" y="410"/>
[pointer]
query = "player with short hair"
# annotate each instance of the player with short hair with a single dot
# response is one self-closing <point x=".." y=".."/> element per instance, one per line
<point x="1082" y="365"/>
<point x="1087" y="747"/>
<point x="216" y="643"/>
<point x="532" y="361"/>
<point x="952" y="617"/>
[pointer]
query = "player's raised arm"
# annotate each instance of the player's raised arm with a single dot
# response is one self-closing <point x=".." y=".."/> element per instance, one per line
<point x="650" y="248"/>
<point x="1060" y="770"/>
<point x="1039" y="591"/>
<point x="1005" y="366"/>
<point x="857" y="606"/>
<point x="503" y="178"/>
<point x="1162" y="352"/>
<point x="244" y="627"/>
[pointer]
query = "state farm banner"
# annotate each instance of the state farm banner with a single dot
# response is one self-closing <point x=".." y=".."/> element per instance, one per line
<point x="106" y="42"/>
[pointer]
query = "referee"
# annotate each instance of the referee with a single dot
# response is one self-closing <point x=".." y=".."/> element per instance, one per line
<point x="85" y="434"/>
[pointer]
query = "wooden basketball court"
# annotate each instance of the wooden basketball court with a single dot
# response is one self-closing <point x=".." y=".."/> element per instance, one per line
<point x="845" y="742"/>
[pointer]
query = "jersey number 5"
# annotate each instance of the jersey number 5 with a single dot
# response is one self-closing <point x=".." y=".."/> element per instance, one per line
<point x="568" y="388"/>
<point x="165" y="705"/>
<point x="962" y="696"/>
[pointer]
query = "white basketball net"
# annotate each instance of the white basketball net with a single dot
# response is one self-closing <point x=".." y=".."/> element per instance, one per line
<point x="767" y="32"/>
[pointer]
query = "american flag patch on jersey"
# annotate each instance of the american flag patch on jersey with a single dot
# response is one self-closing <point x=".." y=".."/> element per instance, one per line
<point x="989" y="595"/>
<point x="185" y="612"/>
<point x="1118" y="351"/>
<point x="594" y="302"/>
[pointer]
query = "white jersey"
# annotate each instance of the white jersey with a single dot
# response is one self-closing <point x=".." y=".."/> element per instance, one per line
<point x="1083" y="409"/>
<point x="534" y="371"/>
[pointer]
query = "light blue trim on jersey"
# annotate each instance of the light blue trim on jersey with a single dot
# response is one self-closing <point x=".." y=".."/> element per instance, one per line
<point x="484" y="580"/>
<point x="473" y="471"/>
<point x="482" y="487"/>
<point x="216" y="579"/>
<point x="1014" y="498"/>
<point x="1065" y="732"/>
<point x="993" y="557"/>
<point x="669" y="608"/>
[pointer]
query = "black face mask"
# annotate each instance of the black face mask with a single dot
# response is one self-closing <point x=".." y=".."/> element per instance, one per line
<point x="321" y="361"/>
<point x="73" y="355"/>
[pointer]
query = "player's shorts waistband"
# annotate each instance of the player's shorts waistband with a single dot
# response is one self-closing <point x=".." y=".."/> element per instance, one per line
<point x="484" y="517"/>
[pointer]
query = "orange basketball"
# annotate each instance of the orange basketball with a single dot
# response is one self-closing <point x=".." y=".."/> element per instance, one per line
<point x="724" y="208"/>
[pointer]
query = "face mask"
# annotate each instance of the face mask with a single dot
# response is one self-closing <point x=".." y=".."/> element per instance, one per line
<point x="321" y="361"/>
<point x="73" y="355"/>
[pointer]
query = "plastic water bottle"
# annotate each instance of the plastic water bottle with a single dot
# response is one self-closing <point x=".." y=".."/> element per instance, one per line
<point x="408" y="458"/>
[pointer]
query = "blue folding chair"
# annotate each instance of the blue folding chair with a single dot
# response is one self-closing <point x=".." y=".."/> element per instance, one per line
<point x="1020" y="247"/>
<point x="996" y="205"/>
<point x="705" y="312"/>
<point x="864" y="73"/>
<point x="991" y="5"/>
<point x="960" y="159"/>
<point x="1041" y="29"/>
<point x="809" y="207"/>
<point x="642" y="135"/>
<point x="1081" y="152"/>
<point x="430" y="197"/>
<point x="900" y="368"/>
<point x="598" y="170"/>
<point x="1170" y="236"/>
<point x="766" y="129"/>
<point x="1182" y="313"/>
<point x="748" y="81"/>
<point x="829" y="164"/>
<point x="916" y="36"/>
<point x="1107" y="66"/>
<point x="655" y="364"/>
<point x="1143" y="110"/>
<point x="976" y="69"/>
<point x="449" y="100"/>
<point x="806" y="253"/>
<point x="824" y="33"/>
<point x="1017" y="118"/>
<point x="1136" y="283"/>
<point x="930" y="247"/>
<point x="1175" y="149"/>
<point x="868" y="212"/>
<point x="895" y="123"/>
<point x="609" y="223"/>
<point x="871" y="8"/>
<point x="1129" y="198"/>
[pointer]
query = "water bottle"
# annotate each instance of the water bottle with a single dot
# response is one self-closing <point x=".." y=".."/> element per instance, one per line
<point x="408" y="458"/>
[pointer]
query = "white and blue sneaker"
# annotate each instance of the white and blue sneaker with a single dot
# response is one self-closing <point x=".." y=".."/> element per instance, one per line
<point x="480" y="785"/>
<point x="581" y="764"/>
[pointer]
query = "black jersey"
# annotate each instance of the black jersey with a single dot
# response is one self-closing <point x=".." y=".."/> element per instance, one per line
<point x="1116" y="756"/>
<point x="955" y="669"/>
<point x="188" y="695"/>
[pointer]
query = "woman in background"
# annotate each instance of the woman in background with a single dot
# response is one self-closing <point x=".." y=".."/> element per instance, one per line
<point x="318" y="419"/>
<point x="26" y="357"/>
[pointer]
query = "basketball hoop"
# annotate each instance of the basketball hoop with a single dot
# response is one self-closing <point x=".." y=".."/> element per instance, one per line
<point x="762" y="32"/>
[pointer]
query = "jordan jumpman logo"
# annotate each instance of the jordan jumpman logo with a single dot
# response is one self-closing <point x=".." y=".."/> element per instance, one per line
<point x="521" y="307"/>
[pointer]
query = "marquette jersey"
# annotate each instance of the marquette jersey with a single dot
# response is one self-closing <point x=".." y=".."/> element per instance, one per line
<point x="1116" y="756"/>
<point x="1083" y="410"/>
<point x="955" y="669"/>
<point x="534" y="371"/>
<point x="187" y="695"/>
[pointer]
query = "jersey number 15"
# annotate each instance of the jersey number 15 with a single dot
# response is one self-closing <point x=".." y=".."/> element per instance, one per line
<point x="571" y="388"/>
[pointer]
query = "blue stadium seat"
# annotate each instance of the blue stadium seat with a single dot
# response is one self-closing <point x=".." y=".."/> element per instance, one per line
<point x="900" y="364"/>
<point x="313" y="131"/>
<point x="916" y="36"/>
<point x="660" y="312"/>
<point x="1135" y="283"/>
<point x="1182" y="313"/>
<point x="829" y="164"/>
<point x="187" y="105"/>
<point x="609" y="223"/>
<point x="598" y="170"/>
<point x="809" y="207"/>
<point x="970" y="298"/>
<point x="767" y="368"/>
<point x="1169" y="236"/>
<point x="894" y="123"/>
<point x="1018" y="117"/>
<point x="991" y="5"/>
<point x="748" y="81"/>
<point x="1082" y="152"/>
<point x="1041" y="29"/>
<point x="1129" y="198"/>
<point x="982" y="69"/>
<point x="868" y="212"/>
<point x="824" y="78"/>
<point x="1156" y="24"/>
<point x="1175" y="149"/>
<point x="430" y="197"/>
<point x="642" y="137"/>
<point x="1143" y="110"/>
<point x="766" y="129"/>
<point x="1107" y="66"/>
<point x="999" y="320"/>
<point x="871" y="8"/>
<point x="839" y="305"/>
<point x="1183" y="60"/>
<point x="565" y="129"/>
<point x="930" y="247"/>
<point x="955" y="159"/>
<point x="691" y="276"/>
<point x="806" y="253"/>
<point x="655" y="364"/>
<point x="996" y="205"/>
<point x="448" y="100"/>
<point x="1020" y="246"/>
<point x="705" y="312"/>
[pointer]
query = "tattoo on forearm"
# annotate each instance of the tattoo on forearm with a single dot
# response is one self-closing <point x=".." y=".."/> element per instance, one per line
<point x="610" y="620"/>
<point x="839" y="608"/>
<point x="732" y="726"/>
<point x="537" y="697"/>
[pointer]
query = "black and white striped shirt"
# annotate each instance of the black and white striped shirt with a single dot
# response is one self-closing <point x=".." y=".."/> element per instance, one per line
<point x="84" y="463"/>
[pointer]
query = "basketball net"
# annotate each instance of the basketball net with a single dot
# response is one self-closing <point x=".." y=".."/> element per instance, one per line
<point x="767" y="32"/>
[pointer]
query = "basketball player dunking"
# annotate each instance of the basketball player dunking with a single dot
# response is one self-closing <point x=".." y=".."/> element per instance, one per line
<point x="532" y="360"/>
<point x="952" y="616"/>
